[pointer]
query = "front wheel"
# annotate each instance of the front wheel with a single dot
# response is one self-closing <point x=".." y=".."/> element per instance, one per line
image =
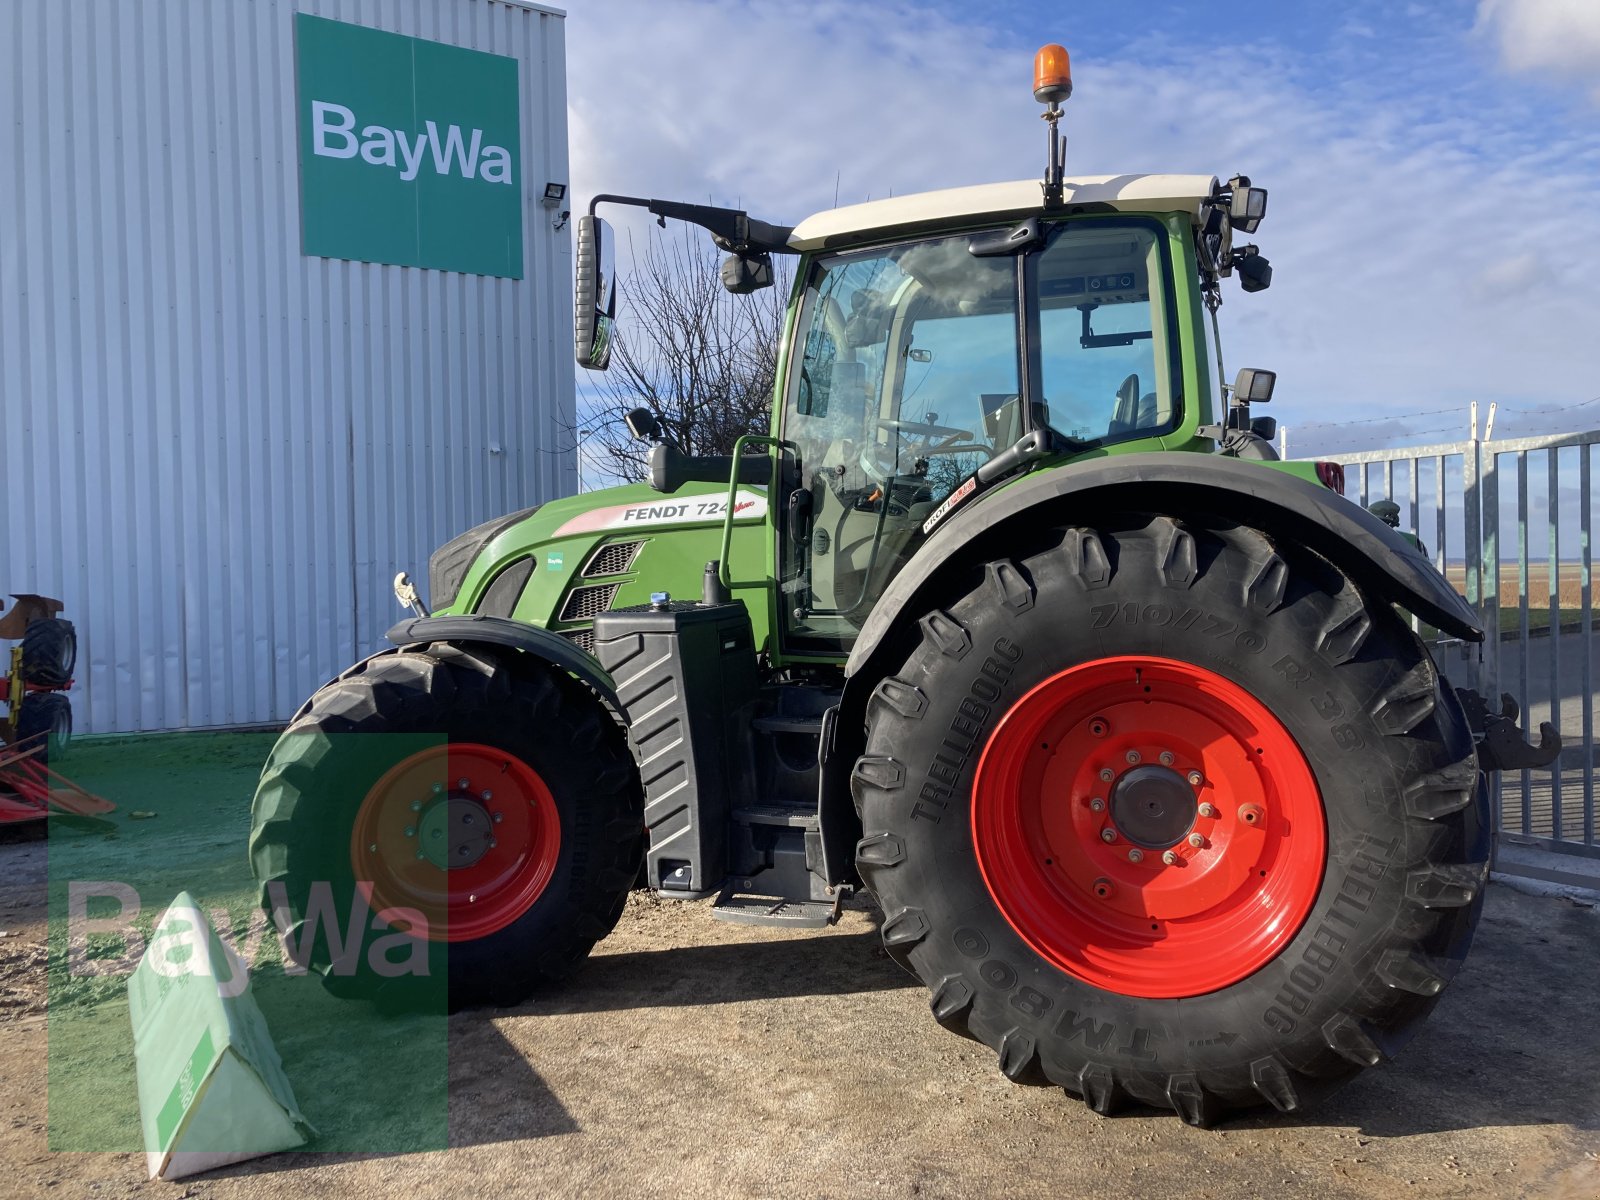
<point x="1168" y="813"/>
<point x="447" y="815"/>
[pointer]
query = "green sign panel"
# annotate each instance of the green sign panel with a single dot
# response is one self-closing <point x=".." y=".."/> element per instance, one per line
<point x="408" y="150"/>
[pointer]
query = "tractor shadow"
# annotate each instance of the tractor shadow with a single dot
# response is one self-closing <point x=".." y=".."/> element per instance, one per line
<point x="775" y="967"/>
<point x="489" y="1095"/>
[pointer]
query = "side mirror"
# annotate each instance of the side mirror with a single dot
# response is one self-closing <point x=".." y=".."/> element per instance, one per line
<point x="1253" y="385"/>
<point x="1255" y="272"/>
<point x="743" y="274"/>
<point x="594" y="301"/>
<point x="643" y="425"/>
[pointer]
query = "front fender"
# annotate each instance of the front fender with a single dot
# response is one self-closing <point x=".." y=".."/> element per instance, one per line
<point x="511" y="635"/>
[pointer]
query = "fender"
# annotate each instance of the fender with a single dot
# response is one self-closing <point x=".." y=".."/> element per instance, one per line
<point x="1380" y="561"/>
<point x="512" y="635"/>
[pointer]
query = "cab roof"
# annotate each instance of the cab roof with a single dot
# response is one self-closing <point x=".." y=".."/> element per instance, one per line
<point x="1020" y="198"/>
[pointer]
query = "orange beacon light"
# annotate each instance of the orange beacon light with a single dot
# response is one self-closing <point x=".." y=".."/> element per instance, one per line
<point x="1052" y="74"/>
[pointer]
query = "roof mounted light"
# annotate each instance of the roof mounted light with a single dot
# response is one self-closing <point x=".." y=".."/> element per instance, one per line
<point x="1247" y="205"/>
<point x="1052" y="83"/>
<point x="1052" y="75"/>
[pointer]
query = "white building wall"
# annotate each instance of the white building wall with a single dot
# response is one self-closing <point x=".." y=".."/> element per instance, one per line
<point x="218" y="451"/>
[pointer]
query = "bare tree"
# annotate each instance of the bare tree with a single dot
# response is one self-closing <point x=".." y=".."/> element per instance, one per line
<point x="703" y="360"/>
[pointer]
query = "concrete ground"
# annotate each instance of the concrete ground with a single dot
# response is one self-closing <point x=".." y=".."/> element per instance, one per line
<point x="694" y="1058"/>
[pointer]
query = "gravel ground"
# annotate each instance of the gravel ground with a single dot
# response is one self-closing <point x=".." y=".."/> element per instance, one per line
<point x="696" y="1058"/>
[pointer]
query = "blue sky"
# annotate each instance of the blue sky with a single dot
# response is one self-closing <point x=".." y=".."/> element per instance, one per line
<point x="1434" y="167"/>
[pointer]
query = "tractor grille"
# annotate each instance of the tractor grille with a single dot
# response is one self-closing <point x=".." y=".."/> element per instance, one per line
<point x="585" y="603"/>
<point x="612" y="559"/>
<point x="583" y="639"/>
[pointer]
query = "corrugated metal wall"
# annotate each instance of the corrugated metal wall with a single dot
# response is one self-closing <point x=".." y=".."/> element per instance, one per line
<point x="215" y="450"/>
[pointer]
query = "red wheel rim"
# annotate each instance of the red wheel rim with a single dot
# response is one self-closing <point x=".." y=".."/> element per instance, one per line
<point x="1135" y="914"/>
<point x="465" y="834"/>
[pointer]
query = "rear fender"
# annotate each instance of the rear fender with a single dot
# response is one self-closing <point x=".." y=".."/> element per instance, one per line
<point x="1382" y="563"/>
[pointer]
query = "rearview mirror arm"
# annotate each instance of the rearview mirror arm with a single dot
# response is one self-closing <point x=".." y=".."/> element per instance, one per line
<point x="731" y="228"/>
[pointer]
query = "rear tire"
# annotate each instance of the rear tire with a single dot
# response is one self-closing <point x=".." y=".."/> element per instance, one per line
<point x="502" y="806"/>
<point x="49" y="652"/>
<point x="999" y="889"/>
<point x="48" y="713"/>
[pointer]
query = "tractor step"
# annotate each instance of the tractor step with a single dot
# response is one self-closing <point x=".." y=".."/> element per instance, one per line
<point x="777" y="814"/>
<point x="807" y="725"/>
<point x="774" y="910"/>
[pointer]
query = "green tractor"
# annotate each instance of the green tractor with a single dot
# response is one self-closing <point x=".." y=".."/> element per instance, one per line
<point x="1014" y="620"/>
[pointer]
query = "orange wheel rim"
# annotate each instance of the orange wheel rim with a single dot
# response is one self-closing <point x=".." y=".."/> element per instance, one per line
<point x="1149" y="827"/>
<point x="464" y="834"/>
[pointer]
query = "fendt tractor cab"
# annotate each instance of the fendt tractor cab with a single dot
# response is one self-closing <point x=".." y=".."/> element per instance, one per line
<point x="1013" y="619"/>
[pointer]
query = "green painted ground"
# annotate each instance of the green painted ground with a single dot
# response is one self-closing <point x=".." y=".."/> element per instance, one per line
<point x="369" y="1083"/>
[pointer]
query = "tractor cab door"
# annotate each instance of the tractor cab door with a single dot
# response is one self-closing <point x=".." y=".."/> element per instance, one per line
<point x="906" y="381"/>
<point x="908" y="372"/>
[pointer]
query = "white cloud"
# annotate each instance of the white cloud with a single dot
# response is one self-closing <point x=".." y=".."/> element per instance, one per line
<point x="1420" y="236"/>
<point x="1559" y="37"/>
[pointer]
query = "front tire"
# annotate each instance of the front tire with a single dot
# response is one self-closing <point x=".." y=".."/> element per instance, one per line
<point x="1297" y="836"/>
<point x="487" y="810"/>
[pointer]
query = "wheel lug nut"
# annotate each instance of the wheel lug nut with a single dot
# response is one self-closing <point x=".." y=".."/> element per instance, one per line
<point x="1167" y="758"/>
<point x="416" y="806"/>
<point x="1170" y="859"/>
<point x="1108" y="834"/>
<point x="372" y="849"/>
<point x="1135" y="855"/>
<point x="411" y="831"/>
<point x="493" y="843"/>
<point x="498" y="817"/>
<point x="1196" y="840"/>
<point x="1251" y="814"/>
<point x="438" y="788"/>
<point x="1132" y="756"/>
<point x="421" y="855"/>
<point x="1103" y="888"/>
<point x="1097" y="805"/>
<point x="1195" y="778"/>
<point x="1107" y="774"/>
<point x="463" y="784"/>
<point x="486" y="795"/>
<point x="1208" y="810"/>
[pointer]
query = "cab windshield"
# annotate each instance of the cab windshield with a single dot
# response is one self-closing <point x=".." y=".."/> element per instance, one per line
<point x="910" y="375"/>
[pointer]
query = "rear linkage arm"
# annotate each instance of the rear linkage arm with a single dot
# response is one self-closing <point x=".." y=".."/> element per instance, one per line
<point x="1500" y="743"/>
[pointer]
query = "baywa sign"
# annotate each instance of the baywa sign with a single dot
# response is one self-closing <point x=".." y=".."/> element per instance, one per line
<point x="333" y="136"/>
<point x="408" y="150"/>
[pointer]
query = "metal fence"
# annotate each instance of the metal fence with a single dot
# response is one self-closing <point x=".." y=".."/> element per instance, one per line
<point x="1510" y="524"/>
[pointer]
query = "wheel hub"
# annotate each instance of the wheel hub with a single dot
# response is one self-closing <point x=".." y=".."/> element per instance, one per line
<point x="1153" y="806"/>
<point x="455" y="831"/>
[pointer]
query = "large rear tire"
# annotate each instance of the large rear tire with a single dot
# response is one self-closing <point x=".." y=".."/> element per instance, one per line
<point x="490" y="809"/>
<point x="1163" y="812"/>
<point x="49" y="652"/>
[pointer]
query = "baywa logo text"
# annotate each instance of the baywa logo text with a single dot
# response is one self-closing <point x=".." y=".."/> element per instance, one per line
<point x="333" y="135"/>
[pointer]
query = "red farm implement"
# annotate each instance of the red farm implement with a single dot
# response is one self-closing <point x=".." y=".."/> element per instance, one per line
<point x="37" y="722"/>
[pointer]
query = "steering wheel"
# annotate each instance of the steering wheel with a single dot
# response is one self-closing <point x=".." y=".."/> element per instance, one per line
<point x="878" y="461"/>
